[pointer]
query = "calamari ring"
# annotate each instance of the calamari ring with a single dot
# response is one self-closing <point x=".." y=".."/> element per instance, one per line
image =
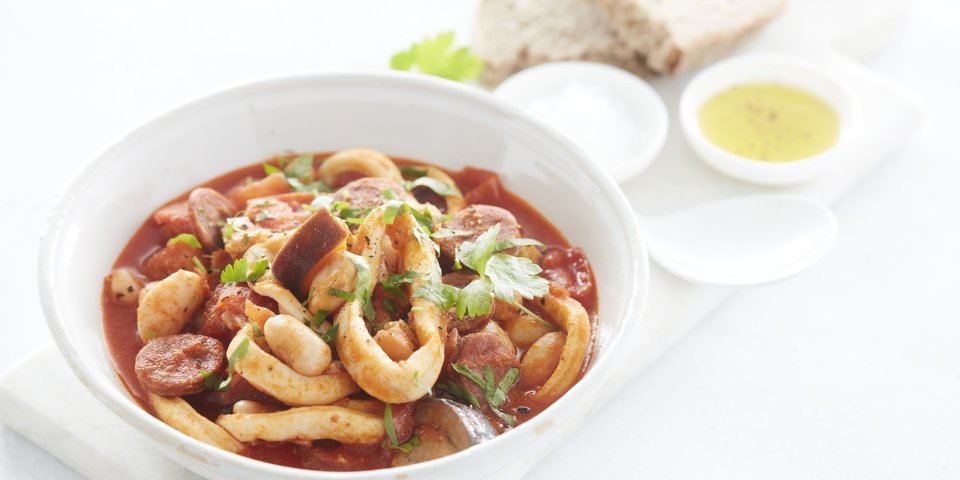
<point x="273" y="377"/>
<point x="370" y="163"/>
<point x="381" y="377"/>
<point x="177" y="413"/>
<point x="306" y="423"/>
<point x="572" y="318"/>
<point x="455" y="203"/>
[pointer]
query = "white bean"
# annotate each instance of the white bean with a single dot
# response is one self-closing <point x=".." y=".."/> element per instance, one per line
<point x="168" y="306"/>
<point x="296" y="345"/>
<point x="125" y="286"/>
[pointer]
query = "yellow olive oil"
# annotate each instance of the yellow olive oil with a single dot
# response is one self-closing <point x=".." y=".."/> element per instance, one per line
<point x="769" y="122"/>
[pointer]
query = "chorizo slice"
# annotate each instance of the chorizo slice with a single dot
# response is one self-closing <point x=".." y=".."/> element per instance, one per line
<point x="367" y="192"/>
<point x="174" y="365"/>
<point x="171" y="258"/>
<point x="209" y="209"/>
<point x="569" y="268"/>
<point x="225" y="311"/>
<point x="174" y="219"/>
<point x="479" y="350"/>
<point x="470" y="223"/>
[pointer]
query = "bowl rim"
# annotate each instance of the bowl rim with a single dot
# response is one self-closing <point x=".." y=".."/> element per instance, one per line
<point x="124" y="406"/>
<point x="848" y="110"/>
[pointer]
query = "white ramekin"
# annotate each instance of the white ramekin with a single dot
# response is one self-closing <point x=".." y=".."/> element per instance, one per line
<point x="769" y="68"/>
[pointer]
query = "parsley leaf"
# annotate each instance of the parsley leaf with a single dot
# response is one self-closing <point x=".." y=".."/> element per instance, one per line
<point x="270" y="169"/>
<point x="476" y="253"/>
<point x="494" y="392"/>
<point x="395" y="280"/>
<point x="389" y="426"/>
<point x="237" y="272"/>
<point x="412" y="172"/>
<point x="235" y="357"/>
<point x="187" y="238"/>
<point x="437" y="186"/>
<point x="517" y="242"/>
<point x="476" y="299"/>
<point x="436" y="56"/>
<point x="515" y="275"/>
<point x="443" y="295"/>
<point x="330" y="336"/>
<point x="364" y="284"/>
<point x="300" y="168"/>
<point x="198" y="265"/>
<point x="459" y="393"/>
<point x="211" y="380"/>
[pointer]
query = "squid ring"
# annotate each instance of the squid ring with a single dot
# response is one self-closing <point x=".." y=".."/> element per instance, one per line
<point x="306" y="423"/>
<point x="381" y="377"/>
<point x="575" y="323"/>
<point x="273" y="377"/>
<point x="177" y="413"/>
<point x="370" y="163"/>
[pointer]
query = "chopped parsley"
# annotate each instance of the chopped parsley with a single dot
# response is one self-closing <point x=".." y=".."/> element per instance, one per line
<point x="393" y="282"/>
<point x="412" y="172"/>
<point x="235" y="357"/>
<point x="197" y="263"/>
<point x="364" y="284"/>
<point x="494" y="392"/>
<point x="330" y="336"/>
<point x="391" y="429"/>
<point x="237" y="272"/>
<point x="501" y="276"/>
<point x="437" y="186"/>
<point x="187" y="238"/>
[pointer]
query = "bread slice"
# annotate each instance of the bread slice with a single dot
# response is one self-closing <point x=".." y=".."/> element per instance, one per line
<point x="642" y="36"/>
<point x="674" y="35"/>
<point x="511" y="35"/>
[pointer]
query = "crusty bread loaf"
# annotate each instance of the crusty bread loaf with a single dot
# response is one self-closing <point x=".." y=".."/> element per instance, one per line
<point x="674" y="35"/>
<point x="511" y="35"/>
<point x="642" y="36"/>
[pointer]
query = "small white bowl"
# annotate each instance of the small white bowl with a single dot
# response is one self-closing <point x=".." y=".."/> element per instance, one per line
<point x="578" y="89"/>
<point x="768" y="68"/>
<point x="409" y="115"/>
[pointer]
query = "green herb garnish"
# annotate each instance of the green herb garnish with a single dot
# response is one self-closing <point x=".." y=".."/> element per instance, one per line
<point x="412" y="172"/>
<point x="235" y="357"/>
<point x="437" y="186"/>
<point x="364" y="284"/>
<point x="437" y="56"/>
<point x="330" y="336"/>
<point x="237" y="272"/>
<point x="187" y="238"/>
<point x="501" y="276"/>
<point x="494" y="392"/>
<point x="197" y="263"/>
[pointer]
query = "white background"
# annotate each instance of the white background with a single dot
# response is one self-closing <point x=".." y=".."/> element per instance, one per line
<point x="850" y="370"/>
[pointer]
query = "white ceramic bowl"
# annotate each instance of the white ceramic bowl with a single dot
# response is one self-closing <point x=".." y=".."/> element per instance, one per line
<point x="402" y="114"/>
<point x="769" y="68"/>
<point x="639" y="124"/>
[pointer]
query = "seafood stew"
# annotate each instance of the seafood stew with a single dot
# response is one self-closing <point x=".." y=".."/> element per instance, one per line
<point x="348" y="311"/>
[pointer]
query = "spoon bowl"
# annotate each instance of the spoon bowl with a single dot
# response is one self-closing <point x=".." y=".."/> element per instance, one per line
<point x="744" y="240"/>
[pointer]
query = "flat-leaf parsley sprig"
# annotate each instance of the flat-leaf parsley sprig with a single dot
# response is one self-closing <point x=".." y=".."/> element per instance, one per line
<point x="437" y="56"/>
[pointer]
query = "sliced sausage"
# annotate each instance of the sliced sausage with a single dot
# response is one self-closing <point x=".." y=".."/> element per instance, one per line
<point x="467" y="324"/>
<point x="171" y="258"/>
<point x="569" y="268"/>
<point x="472" y="222"/>
<point x="477" y="351"/>
<point x="174" y="365"/>
<point x="209" y="209"/>
<point x="403" y="419"/>
<point x="223" y="314"/>
<point x="174" y="219"/>
<point x="367" y="192"/>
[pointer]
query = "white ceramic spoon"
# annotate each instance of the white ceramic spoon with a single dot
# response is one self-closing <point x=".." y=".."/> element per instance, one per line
<point x="742" y="240"/>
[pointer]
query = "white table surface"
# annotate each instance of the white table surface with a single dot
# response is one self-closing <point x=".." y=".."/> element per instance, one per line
<point x="850" y="370"/>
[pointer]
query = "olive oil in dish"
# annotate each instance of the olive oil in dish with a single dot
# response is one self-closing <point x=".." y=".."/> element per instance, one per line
<point x="769" y="122"/>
